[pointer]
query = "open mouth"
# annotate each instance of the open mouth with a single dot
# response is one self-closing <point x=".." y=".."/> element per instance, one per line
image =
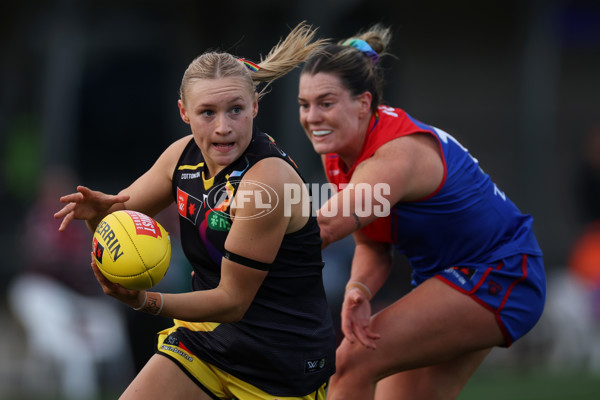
<point x="321" y="133"/>
<point x="223" y="146"/>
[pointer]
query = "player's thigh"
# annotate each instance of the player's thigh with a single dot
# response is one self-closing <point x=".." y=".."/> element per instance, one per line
<point x="161" y="378"/>
<point x="436" y="382"/>
<point x="432" y="324"/>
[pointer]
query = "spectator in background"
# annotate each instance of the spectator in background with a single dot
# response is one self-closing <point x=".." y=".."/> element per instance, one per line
<point x="574" y="309"/>
<point x="68" y="322"/>
<point x="583" y="264"/>
<point x="573" y="312"/>
<point x="588" y="178"/>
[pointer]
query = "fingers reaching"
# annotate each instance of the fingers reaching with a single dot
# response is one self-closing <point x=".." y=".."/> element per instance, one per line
<point x="88" y="205"/>
<point x="367" y="337"/>
<point x="66" y="220"/>
<point x="356" y="315"/>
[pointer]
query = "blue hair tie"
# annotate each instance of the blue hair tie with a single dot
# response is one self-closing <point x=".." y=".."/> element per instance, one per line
<point x="364" y="47"/>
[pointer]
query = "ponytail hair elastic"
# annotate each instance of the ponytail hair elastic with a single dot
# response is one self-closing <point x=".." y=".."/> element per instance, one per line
<point x="249" y="64"/>
<point x="364" y="47"/>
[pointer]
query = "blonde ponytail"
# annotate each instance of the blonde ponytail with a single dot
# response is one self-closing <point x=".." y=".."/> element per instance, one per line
<point x="283" y="57"/>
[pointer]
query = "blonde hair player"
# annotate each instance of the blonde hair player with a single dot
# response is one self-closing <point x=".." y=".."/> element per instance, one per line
<point x="477" y="268"/>
<point x="257" y="324"/>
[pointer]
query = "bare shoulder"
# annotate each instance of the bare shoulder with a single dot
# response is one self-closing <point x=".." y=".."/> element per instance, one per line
<point x="411" y="145"/>
<point x="273" y="170"/>
<point x="411" y="165"/>
<point x="178" y="145"/>
<point x="282" y="184"/>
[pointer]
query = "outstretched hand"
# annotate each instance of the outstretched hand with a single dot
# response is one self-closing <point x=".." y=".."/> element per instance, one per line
<point x="86" y="204"/>
<point x="356" y="315"/>
<point x="133" y="298"/>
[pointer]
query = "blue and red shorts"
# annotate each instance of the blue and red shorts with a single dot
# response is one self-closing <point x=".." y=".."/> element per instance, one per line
<point x="514" y="289"/>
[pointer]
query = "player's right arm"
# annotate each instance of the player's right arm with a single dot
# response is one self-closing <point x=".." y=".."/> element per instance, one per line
<point x="404" y="169"/>
<point x="149" y="194"/>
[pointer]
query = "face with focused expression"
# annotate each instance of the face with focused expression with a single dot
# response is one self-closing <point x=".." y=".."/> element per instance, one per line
<point x="334" y="120"/>
<point x="220" y="113"/>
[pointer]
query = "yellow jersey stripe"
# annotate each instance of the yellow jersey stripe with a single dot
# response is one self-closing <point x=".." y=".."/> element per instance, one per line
<point x="182" y="167"/>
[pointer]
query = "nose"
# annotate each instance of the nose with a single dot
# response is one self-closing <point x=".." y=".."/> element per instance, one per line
<point x="222" y="125"/>
<point x="312" y="115"/>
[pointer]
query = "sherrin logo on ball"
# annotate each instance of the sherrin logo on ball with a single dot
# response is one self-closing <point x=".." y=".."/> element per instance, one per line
<point x="132" y="249"/>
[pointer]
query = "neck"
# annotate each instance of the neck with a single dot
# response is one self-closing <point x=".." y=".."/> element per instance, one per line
<point x="351" y="153"/>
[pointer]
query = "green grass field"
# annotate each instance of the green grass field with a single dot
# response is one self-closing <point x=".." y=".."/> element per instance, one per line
<point x="532" y="385"/>
<point x="505" y="386"/>
<point x="494" y="384"/>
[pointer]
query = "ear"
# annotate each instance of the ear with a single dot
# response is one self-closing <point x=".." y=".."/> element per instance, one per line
<point x="183" y="112"/>
<point x="255" y="105"/>
<point x="365" y="100"/>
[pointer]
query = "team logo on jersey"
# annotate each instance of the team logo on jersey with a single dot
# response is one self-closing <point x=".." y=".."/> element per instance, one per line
<point x="468" y="272"/>
<point x="188" y="206"/>
<point x="174" y="345"/>
<point x="172" y="340"/>
<point x="494" y="288"/>
<point x="314" y="365"/>
<point x="218" y="221"/>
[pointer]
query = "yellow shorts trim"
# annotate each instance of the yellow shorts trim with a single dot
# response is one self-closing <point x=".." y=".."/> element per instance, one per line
<point x="213" y="380"/>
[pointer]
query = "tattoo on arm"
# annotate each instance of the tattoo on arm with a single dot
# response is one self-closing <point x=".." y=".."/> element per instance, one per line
<point x="154" y="303"/>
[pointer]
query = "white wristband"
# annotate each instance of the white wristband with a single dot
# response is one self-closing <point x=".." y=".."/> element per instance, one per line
<point x="144" y="303"/>
<point x="360" y="286"/>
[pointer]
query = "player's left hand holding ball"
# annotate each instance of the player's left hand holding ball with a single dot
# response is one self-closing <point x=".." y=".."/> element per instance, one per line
<point x="133" y="298"/>
<point x="88" y="205"/>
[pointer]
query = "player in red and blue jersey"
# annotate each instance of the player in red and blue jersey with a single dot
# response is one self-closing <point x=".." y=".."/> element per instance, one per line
<point x="476" y="265"/>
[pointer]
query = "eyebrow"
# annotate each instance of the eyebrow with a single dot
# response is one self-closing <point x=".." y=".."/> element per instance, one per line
<point x="233" y="100"/>
<point x="319" y="97"/>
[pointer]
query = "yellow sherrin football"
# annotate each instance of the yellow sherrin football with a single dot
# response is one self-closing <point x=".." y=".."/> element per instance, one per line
<point x="132" y="249"/>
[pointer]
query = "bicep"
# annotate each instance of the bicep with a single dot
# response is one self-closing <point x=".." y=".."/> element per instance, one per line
<point x="255" y="236"/>
<point x="404" y="169"/>
<point x="259" y="220"/>
<point x="369" y="195"/>
<point x="252" y="245"/>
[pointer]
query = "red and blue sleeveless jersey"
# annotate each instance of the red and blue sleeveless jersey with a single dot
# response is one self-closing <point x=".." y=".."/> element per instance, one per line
<point x="467" y="220"/>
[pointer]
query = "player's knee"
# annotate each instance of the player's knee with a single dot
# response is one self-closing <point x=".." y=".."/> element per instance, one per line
<point x="349" y="362"/>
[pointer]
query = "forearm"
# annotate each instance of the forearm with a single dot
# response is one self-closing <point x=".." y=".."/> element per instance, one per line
<point x="371" y="265"/>
<point x="348" y="211"/>
<point x="200" y="306"/>
<point x="334" y="228"/>
<point x="337" y="225"/>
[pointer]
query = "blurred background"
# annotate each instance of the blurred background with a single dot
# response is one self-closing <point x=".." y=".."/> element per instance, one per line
<point x="88" y="95"/>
